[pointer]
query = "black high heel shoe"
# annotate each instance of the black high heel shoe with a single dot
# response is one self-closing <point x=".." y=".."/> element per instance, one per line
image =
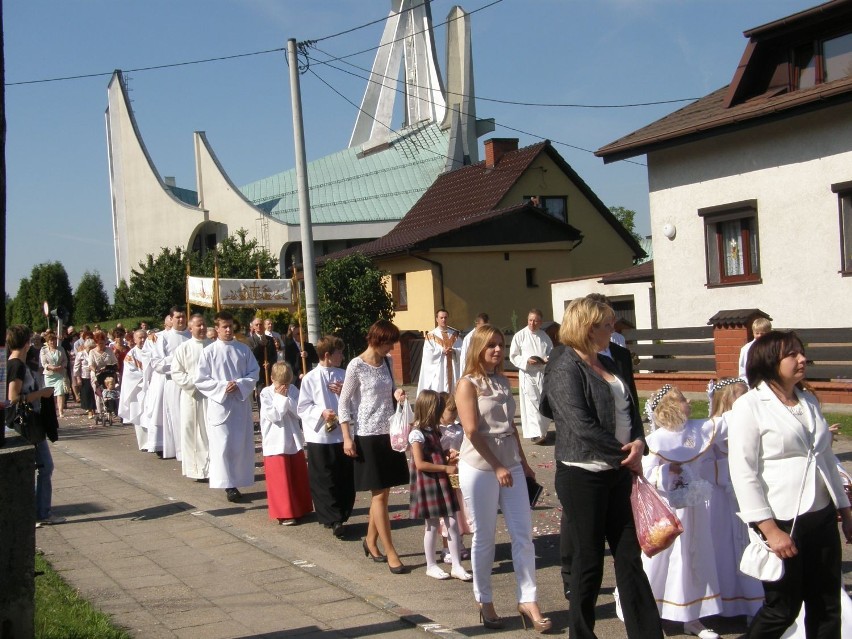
<point x="495" y="623"/>
<point x="379" y="559"/>
<point x="398" y="570"/>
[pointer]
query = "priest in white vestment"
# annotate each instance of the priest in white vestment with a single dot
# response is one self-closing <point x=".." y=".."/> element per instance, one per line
<point x="227" y="374"/>
<point x="152" y="410"/>
<point x="165" y="347"/>
<point x="440" y="365"/>
<point x="529" y="353"/>
<point x="195" y="457"/>
<point x="131" y="401"/>
<point x="480" y="320"/>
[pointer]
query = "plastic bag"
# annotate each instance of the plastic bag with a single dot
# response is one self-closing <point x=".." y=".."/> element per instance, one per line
<point x="657" y="526"/>
<point x="400" y="426"/>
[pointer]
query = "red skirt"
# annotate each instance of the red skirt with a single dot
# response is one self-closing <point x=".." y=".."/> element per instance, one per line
<point x="288" y="490"/>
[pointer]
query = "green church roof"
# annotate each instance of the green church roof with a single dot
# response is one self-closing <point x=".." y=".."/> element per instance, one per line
<point x="380" y="186"/>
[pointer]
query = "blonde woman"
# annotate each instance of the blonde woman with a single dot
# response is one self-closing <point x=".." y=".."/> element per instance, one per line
<point x="599" y="446"/>
<point x="492" y="471"/>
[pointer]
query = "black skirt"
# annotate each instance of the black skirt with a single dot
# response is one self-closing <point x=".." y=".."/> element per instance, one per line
<point x="378" y="466"/>
<point x="87" y="394"/>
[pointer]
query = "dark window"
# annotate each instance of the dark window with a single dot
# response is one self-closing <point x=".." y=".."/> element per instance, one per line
<point x="821" y="61"/>
<point x="399" y="292"/>
<point x="844" y="200"/>
<point x="555" y="205"/>
<point x="531" y="283"/>
<point x="731" y="241"/>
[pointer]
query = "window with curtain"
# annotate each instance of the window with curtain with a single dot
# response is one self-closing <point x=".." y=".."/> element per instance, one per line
<point x="731" y="242"/>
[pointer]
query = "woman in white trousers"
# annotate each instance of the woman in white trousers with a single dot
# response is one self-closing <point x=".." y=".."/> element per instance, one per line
<point x="492" y="472"/>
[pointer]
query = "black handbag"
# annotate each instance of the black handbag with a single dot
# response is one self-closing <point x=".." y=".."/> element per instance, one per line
<point x="26" y="422"/>
<point x="534" y="489"/>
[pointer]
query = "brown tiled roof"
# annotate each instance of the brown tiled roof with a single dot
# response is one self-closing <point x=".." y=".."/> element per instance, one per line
<point x="710" y="115"/>
<point x="468" y="196"/>
<point x="755" y="95"/>
<point x="737" y="316"/>
<point x="640" y="273"/>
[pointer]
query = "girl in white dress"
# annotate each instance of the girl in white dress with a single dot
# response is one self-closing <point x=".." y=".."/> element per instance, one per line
<point x="683" y="577"/>
<point x="741" y="594"/>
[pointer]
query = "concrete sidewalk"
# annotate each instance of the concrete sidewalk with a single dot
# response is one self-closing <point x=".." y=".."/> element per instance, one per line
<point x="168" y="557"/>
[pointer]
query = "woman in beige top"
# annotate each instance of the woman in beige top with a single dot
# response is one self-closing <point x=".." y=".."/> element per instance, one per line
<point x="492" y="472"/>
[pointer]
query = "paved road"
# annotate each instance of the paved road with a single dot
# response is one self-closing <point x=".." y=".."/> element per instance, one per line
<point x="168" y="557"/>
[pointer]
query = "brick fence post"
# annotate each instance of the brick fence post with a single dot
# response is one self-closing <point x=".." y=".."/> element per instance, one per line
<point x="731" y="331"/>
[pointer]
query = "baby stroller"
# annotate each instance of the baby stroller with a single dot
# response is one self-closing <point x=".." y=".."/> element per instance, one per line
<point x="106" y="399"/>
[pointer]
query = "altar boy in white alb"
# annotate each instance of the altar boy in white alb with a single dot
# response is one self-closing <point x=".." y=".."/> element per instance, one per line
<point x="195" y="456"/>
<point x="529" y="352"/>
<point x="227" y="374"/>
<point x="439" y="368"/>
<point x="329" y="468"/>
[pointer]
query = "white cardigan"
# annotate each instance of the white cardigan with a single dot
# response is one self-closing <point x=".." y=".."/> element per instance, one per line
<point x="279" y="423"/>
<point x="768" y="449"/>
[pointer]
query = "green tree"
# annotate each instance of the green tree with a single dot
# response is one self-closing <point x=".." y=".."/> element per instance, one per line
<point x="627" y="219"/>
<point x="122" y="304"/>
<point x="239" y="257"/>
<point x="352" y="296"/>
<point x="48" y="282"/>
<point x="91" y="303"/>
<point x="158" y="284"/>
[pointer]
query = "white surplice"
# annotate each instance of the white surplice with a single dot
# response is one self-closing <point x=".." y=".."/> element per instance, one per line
<point x="433" y="365"/>
<point x="280" y="431"/>
<point x="229" y="425"/>
<point x="195" y="454"/>
<point x="152" y="408"/>
<point x="161" y="361"/>
<point x="314" y="399"/>
<point x="526" y="344"/>
<point x="131" y="401"/>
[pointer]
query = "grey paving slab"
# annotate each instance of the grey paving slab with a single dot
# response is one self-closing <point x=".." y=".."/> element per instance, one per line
<point x="168" y="557"/>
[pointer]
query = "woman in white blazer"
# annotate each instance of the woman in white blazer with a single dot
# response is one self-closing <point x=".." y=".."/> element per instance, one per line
<point x="772" y="428"/>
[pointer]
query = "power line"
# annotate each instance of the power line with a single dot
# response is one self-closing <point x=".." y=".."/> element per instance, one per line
<point x="366" y="24"/>
<point x="151" y="68"/>
<point x="504" y="126"/>
<point x="440" y="24"/>
<point x="496" y="100"/>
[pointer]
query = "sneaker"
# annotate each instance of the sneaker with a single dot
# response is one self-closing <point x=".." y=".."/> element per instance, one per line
<point x="49" y="521"/>
<point x="445" y="557"/>
<point x="436" y="573"/>
<point x="461" y="574"/>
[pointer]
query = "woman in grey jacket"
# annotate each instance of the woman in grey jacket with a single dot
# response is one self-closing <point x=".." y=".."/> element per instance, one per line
<point x="599" y="446"/>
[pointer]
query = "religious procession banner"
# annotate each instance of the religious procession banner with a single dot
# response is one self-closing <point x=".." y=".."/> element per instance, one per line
<point x="239" y="293"/>
<point x="200" y="291"/>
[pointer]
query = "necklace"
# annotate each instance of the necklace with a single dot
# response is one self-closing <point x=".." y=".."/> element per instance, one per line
<point x="795" y="410"/>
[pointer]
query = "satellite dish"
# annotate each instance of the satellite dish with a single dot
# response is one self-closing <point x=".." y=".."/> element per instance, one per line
<point x="46" y="308"/>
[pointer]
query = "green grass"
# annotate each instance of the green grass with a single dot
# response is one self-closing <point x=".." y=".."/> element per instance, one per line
<point x="61" y="613"/>
<point x="701" y="409"/>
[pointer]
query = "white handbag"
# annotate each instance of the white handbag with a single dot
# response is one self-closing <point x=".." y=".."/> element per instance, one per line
<point x="759" y="560"/>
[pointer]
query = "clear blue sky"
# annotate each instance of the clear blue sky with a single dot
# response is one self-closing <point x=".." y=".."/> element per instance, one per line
<point x="553" y="51"/>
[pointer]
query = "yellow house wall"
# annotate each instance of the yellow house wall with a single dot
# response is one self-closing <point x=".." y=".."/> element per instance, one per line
<point x="477" y="280"/>
<point x="423" y="292"/>
<point x="603" y="250"/>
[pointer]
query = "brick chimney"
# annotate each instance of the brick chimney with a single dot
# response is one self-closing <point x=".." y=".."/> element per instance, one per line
<point x="495" y="148"/>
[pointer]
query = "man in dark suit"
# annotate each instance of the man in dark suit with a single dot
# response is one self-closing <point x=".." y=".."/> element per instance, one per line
<point x="264" y="351"/>
<point x="295" y="351"/>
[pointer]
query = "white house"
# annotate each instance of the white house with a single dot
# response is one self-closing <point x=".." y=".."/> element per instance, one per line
<point x="751" y="186"/>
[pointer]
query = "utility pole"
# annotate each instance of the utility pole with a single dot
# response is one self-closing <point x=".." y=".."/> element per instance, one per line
<point x="308" y="267"/>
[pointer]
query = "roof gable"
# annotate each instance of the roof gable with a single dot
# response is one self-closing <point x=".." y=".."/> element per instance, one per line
<point x="470" y="195"/>
<point x="760" y="90"/>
